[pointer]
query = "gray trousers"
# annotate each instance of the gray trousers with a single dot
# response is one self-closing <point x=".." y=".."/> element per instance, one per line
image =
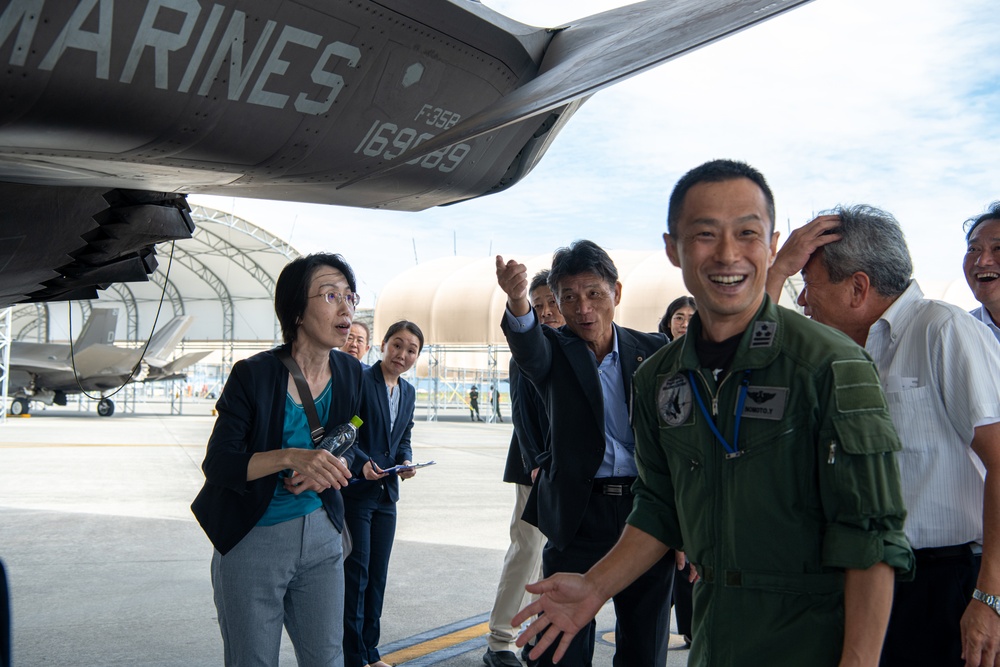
<point x="290" y="574"/>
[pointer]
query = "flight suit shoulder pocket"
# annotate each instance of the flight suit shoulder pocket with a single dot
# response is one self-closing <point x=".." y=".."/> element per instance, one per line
<point x="856" y="387"/>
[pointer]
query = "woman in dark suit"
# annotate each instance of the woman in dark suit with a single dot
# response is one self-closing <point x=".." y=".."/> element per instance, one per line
<point x="271" y="503"/>
<point x="370" y="505"/>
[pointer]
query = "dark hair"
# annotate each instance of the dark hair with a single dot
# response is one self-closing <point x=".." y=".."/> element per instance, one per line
<point x="675" y="305"/>
<point x="581" y="257"/>
<point x="364" y="325"/>
<point x="872" y="242"/>
<point x="716" y="171"/>
<point x="396" y="327"/>
<point x="291" y="290"/>
<point x="992" y="213"/>
<point x="541" y="278"/>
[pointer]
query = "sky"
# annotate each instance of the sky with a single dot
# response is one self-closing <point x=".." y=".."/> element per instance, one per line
<point x="893" y="103"/>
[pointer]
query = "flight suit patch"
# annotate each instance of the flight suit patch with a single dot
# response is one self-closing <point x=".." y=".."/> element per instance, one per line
<point x="765" y="402"/>
<point x="763" y="334"/>
<point x="673" y="400"/>
<point x="856" y="386"/>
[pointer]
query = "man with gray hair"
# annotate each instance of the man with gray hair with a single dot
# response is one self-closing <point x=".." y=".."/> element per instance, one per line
<point x="938" y="367"/>
<point x="982" y="265"/>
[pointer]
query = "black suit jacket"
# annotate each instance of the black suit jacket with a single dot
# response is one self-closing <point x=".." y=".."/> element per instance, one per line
<point x="251" y="419"/>
<point x="531" y="429"/>
<point x="564" y="371"/>
<point x="375" y="440"/>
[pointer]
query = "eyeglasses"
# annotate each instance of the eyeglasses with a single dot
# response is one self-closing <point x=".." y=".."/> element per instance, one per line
<point x="336" y="298"/>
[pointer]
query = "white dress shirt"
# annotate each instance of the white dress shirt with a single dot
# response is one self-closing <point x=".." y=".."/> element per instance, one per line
<point x="939" y="369"/>
<point x="983" y="316"/>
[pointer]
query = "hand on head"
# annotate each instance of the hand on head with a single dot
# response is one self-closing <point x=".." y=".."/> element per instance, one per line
<point x="798" y="249"/>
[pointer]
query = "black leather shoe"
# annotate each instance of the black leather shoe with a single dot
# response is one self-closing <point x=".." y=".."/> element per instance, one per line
<point x="500" y="658"/>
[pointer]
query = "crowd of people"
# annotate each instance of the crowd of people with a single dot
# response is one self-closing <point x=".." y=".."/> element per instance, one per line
<point x="804" y="490"/>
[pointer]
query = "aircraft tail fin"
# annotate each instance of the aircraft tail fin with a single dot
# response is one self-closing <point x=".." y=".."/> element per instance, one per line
<point x="163" y="342"/>
<point x="99" y="329"/>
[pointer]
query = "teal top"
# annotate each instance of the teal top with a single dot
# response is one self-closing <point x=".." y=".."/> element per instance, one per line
<point x="286" y="506"/>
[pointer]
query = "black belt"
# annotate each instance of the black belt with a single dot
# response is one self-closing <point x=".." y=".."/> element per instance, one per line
<point x="958" y="551"/>
<point x="614" y="486"/>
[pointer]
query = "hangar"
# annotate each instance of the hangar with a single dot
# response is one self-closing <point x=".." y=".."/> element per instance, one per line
<point x="225" y="275"/>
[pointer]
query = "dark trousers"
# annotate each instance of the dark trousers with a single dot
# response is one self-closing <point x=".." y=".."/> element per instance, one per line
<point x="642" y="628"/>
<point x="371" y="517"/>
<point x="682" y="600"/>
<point x="924" y="626"/>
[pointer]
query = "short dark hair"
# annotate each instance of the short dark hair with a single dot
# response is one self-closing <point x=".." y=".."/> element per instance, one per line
<point x="872" y="242"/>
<point x="541" y="278"/>
<point x="992" y="213"/>
<point x="674" y="306"/>
<point x="581" y="257"/>
<point x="291" y="290"/>
<point x="363" y="325"/>
<point x="716" y="171"/>
<point x="396" y="327"/>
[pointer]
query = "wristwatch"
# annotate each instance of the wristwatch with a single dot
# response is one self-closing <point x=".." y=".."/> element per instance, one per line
<point x="989" y="600"/>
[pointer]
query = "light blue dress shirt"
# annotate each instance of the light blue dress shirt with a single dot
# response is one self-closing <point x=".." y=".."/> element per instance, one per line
<point x="619" y="441"/>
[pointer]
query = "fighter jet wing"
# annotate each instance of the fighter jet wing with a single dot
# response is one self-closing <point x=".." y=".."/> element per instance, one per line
<point x="601" y="50"/>
<point x="174" y="368"/>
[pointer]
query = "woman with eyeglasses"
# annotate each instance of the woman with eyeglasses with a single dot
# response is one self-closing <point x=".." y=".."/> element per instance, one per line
<point x="679" y="313"/>
<point x="370" y="504"/>
<point x="271" y="503"/>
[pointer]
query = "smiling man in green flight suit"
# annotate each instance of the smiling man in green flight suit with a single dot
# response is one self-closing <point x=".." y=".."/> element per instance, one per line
<point x="765" y="452"/>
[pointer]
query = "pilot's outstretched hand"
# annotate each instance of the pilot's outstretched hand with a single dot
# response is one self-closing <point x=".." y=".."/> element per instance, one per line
<point x="513" y="280"/>
<point x="568" y="602"/>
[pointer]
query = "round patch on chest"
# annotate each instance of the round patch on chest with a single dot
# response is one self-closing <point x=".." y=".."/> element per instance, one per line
<point x="673" y="400"/>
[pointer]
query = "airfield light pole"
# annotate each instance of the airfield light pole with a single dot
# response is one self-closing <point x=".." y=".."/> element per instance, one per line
<point x="5" y="338"/>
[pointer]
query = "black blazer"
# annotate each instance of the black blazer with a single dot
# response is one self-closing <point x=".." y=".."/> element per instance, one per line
<point x="251" y="418"/>
<point x="375" y="441"/>
<point x="564" y="371"/>
<point x="531" y="429"/>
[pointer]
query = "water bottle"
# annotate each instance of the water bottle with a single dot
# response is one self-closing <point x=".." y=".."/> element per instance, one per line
<point x="342" y="438"/>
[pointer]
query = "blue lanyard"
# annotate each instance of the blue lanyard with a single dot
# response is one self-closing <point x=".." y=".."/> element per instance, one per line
<point x="731" y="449"/>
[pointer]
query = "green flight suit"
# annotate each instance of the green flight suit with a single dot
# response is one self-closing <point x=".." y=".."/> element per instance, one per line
<point x="812" y="490"/>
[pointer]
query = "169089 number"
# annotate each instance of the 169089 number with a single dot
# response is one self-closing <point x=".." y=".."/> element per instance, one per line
<point x="389" y="141"/>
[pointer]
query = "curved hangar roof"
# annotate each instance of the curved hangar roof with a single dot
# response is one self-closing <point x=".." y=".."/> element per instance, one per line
<point x="224" y="275"/>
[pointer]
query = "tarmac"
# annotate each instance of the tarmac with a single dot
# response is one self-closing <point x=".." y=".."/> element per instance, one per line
<point x="108" y="567"/>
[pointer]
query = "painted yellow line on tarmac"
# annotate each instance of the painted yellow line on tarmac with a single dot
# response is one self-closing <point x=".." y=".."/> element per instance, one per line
<point x="436" y="644"/>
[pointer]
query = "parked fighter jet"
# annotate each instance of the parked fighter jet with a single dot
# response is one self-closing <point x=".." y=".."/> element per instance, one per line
<point x="111" y="111"/>
<point x="48" y="372"/>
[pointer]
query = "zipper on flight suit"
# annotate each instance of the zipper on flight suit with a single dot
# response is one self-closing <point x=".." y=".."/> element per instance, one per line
<point x="715" y="394"/>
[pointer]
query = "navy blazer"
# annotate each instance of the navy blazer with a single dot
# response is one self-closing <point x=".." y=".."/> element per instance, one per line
<point x="564" y="371"/>
<point x="251" y="419"/>
<point x="375" y="441"/>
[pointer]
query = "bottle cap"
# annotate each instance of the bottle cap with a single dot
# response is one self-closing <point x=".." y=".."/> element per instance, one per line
<point x="356" y="420"/>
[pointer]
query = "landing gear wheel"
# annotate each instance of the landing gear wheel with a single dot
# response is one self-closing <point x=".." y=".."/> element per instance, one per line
<point x="19" y="406"/>
<point x="106" y="407"/>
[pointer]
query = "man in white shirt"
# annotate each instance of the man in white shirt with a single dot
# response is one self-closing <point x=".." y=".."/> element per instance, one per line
<point x="938" y="367"/>
<point x="982" y="265"/>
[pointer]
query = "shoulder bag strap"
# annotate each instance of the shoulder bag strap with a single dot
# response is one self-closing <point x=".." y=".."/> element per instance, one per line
<point x="316" y="430"/>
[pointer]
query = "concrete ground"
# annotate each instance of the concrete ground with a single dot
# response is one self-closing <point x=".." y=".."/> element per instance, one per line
<point x="108" y="567"/>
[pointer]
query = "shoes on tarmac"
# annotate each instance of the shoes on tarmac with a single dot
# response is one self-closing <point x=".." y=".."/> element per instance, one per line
<point x="500" y="658"/>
